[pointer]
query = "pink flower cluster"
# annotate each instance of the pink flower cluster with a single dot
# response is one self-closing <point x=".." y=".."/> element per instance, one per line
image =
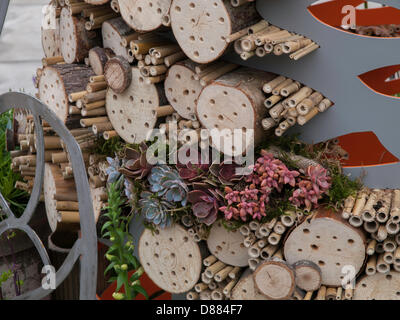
<point x="312" y="188"/>
<point x="271" y="174"/>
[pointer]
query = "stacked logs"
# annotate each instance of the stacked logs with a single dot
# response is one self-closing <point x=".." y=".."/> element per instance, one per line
<point x="289" y="102"/>
<point x="262" y="39"/>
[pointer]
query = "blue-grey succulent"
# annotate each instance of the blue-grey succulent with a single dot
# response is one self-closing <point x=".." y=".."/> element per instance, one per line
<point x="166" y="183"/>
<point x="155" y="209"/>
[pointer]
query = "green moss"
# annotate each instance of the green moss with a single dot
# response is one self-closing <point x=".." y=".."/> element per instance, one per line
<point x="342" y="187"/>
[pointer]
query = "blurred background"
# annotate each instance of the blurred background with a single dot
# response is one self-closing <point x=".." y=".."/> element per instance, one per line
<point x="20" y="45"/>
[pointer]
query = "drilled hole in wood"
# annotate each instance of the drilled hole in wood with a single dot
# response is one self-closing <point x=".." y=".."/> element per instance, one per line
<point x="219" y="248"/>
<point x="364" y="285"/>
<point x="212" y="101"/>
<point x="388" y="277"/>
<point x="221" y="117"/>
<point x="321" y="263"/>
<point x="115" y="97"/>
<point x="306" y="231"/>
<point x="186" y="92"/>
<point x="314" y="247"/>
<point x="156" y="255"/>
<point x="350" y="241"/>
<point x="190" y="255"/>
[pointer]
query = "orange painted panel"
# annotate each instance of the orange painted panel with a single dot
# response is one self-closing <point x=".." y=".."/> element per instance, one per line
<point x="375" y="80"/>
<point x="365" y="149"/>
<point x="331" y="14"/>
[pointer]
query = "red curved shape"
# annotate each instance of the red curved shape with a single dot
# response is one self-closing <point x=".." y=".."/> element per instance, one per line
<point x="376" y="80"/>
<point x="330" y="13"/>
<point x="365" y="149"/>
<point x="147" y="284"/>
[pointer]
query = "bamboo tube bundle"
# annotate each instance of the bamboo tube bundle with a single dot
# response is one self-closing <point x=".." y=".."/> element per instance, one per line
<point x="143" y="16"/>
<point x="216" y="23"/>
<point x="97" y="2"/>
<point x="239" y="98"/>
<point x="76" y="41"/>
<point x="268" y="39"/>
<point x="61" y="200"/>
<point x="117" y="36"/>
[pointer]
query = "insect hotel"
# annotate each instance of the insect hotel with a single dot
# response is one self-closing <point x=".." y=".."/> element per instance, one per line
<point x="210" y="150"/>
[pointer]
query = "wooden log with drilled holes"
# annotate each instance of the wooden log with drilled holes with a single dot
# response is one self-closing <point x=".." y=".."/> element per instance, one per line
<point x="275" y="279"/>
<point x="182" y="89"/>
<point x="58" y="82"/>
<point x="76" y="41"/>
<point x="118" y="74"/>
<point x="51" y="42"/>
<point x="133" y="113"/>
<point x="227" y="246"/>
<point x="379" y="286"/>
<point x="330" y="242"/>
<point x="170" y="258"/>
<point x="143" y="15"/>
<point x="114" y="32"/>
<point x="234" y="101"/>
<point x="205" y="40"/>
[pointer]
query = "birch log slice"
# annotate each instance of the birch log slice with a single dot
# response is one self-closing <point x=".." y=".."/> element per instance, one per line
<point x="51" y="41"/>
<point x="170" y="258"/>
<point x="76" y="41"/>
<point x="245" y="289"/>
<point x="234" y="102"/>
<point x="118" y="74"/>
<point x="201" y="26"/>
<point x="133" y="113"/>
<point x="227" y="246"/>
<point x="378" y="287"/>
<point x="330" y="242"/>
<point x="58" y="81"/>
<point x="308" y="275"/>
<point x="113" y="31"/>
<point x="144" y="15"/>
<point x="182" y="89"/>
<point x="98" y="58"/>
<point x="275" y="279"/>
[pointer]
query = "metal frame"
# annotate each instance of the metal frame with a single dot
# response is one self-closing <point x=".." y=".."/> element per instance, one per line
<point x="3" y="12"/>
<point x="85" y="248"/>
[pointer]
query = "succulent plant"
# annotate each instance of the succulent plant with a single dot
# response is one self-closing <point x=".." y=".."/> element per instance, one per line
<point x="205" y="204"/>
<point x="135" y="165"/>
<point x="167" y="183"/>
<point x="226" y="173"/>
<point x="193" y="171"/>
<point x="113" y="169"/>
<point x="155" y="209"/>
<point x="311" y="188"/>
